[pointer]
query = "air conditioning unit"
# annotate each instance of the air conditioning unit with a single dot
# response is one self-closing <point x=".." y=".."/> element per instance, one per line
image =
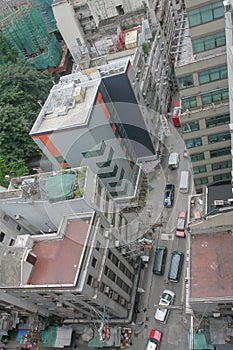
<point x="218" y="203"/>
<point x="117" y="244"/>
<point x="106" y="289"/>
<point x="106" y="234"/>
<point x="96" y="284"/>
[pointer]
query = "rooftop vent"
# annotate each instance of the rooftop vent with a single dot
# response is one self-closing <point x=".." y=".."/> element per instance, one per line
<point x="79" y="94"/>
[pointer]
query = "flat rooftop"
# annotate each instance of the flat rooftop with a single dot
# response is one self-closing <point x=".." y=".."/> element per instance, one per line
<point x="211" y="269"/>
<point x="58" y="261"/>
<point x="69" y="102"/>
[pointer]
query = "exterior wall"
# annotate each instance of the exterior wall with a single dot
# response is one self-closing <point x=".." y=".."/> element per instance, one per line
<point x="205" y="170"/>
<point x="69" y="28"/>
<point x="229" y="46"/>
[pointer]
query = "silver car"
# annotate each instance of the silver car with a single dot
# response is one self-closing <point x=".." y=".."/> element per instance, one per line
<point x="166" y="299"/>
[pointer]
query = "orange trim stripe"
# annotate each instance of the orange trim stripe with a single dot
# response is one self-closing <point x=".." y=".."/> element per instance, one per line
<point x="49" y="145"/>
<point x="103" y="105"/>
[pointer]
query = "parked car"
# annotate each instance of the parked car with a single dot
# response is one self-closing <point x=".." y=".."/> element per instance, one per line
<point x="166" y="299"/>
<point x="181" y="222"/>
<point x="154" y="341"/>
<point x="169" y="194"/>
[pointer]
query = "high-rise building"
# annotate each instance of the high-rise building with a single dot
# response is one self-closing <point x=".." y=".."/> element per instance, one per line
<point x="202" y="75"/>
<point x="228" y="4"/>
<point x="98" y="120"/>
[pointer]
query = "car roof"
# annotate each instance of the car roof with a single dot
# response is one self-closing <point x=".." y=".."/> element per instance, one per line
<point x="181" y="214"/>
<point x="155" y="334"/>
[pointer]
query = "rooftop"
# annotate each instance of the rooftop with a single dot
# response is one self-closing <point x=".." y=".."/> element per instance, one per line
<point x="53" y="261"/>
<point x="211" y="267"/>
<point x="68" y="104"/>
<point x="58" y="261"/>
<point x="53" y="186"/>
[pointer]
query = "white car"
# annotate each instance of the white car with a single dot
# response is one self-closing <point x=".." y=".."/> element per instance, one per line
<point x="166" y="299"/>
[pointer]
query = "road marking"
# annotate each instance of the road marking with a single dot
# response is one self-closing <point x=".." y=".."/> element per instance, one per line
<point x="167" y="237"/>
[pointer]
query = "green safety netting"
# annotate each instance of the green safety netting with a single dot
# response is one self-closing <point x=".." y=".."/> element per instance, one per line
<point x="60" y="187"/>
<point x="200" y="342"/>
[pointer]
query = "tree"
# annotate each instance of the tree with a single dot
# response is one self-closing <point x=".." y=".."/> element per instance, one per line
<point x="22" y="88"/>
<point x="12" y="168"/>
<point x="7" y="52"/>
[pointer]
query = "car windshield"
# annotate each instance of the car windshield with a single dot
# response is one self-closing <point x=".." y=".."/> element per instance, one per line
<point x="165" y="297"/>
<point x="180" y="224"/>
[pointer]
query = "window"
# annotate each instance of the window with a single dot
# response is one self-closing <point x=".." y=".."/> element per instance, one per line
<point x="90" y="280"/>
<point x="185" y="82"/>
<point x="109" y="174"/>
<point x="201" y="181"/>
<point x="222" y="136"/>
<point x="12" y="241"/>
<point x="2" y="235"/>
<point x="189" y="102"/>
<point x="209" y="42"/>
<point x="215" y="96"/>
<point x="94" y="262"/>
<point x="193" y="142"/>
<point x="197" y="156"/>
<point x="191" y="126"/>
<point x="214" y="74"/>
<point x="216" y="121"/>
<point x="95" y="153"/>
<point x="199" y="169"/>
<point x="220" y="152"/>
<point x="109" y="160"/>
<point x="221" y="177"/>
<point x="206" y="14"/>
<point x="122" y="174"/>
<point x="222" y="165"/>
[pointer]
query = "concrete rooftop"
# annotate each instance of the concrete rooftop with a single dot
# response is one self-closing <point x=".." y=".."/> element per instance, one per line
<point x="211" y="269"/>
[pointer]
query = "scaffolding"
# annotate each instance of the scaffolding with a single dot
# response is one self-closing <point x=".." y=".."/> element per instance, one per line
<point x="30" y="30"/>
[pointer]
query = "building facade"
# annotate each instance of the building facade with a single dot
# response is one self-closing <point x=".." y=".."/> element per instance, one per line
<point x="67" y="260"/>
<point x="202" y="74"/>
<point x="98" y="120"/>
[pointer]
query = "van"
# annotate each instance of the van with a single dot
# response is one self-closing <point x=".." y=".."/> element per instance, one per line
<point x="160" y="260"/>
<point x="175" y="266"/>
<point x="184" y="182"/>
<point x="173" y="160"/>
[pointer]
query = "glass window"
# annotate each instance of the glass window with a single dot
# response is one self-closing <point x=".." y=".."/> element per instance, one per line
<point x="201" y="181"/>
<point x="95" y="153"/>
<point x="189" y="102"/>
<point x="214" y="96"/>
<point x="218" y="120"/>
<point x="206" y="14"/>
<point x="185" y="82"/>
<point x="197" y="156"/>
<point x="199" y="169"/>
<point x="222" y="165"/>
<point x="222" y="136"/>
<point x="221" y="177"/>
<point x="191" y="126"/>
<point x="193" y="142"/>
<point x="220" y="152"/>
<point x="109" y="174"/>
<point x="212" y="75"/>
